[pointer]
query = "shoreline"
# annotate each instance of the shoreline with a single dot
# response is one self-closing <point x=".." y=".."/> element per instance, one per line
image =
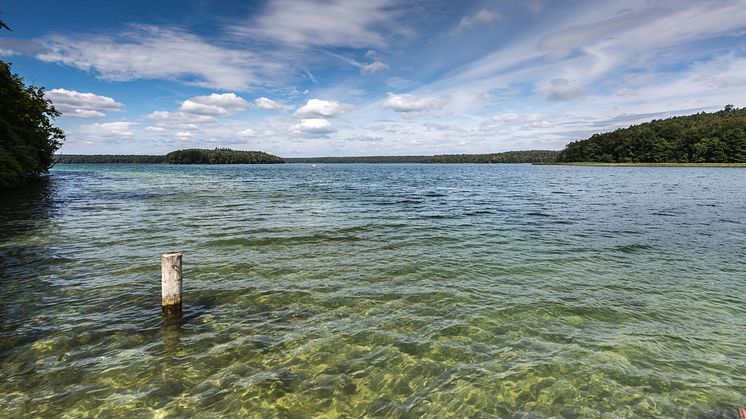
<point x="642" y="164"/>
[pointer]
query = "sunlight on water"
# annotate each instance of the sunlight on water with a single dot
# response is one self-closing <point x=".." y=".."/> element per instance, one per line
<point x="381" y="290"/>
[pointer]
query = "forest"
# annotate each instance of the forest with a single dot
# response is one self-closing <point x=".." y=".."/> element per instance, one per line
<point x="529" y="156"/>
<point x="718" y="137"/>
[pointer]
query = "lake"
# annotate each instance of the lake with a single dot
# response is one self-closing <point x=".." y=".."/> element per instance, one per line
<point x="381" y="290"/>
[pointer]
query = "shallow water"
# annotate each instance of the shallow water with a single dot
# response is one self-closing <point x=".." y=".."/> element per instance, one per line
<point x="381" y="290"/>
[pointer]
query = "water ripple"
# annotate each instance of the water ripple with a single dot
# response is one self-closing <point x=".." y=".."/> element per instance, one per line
<point x="379" y="290"/>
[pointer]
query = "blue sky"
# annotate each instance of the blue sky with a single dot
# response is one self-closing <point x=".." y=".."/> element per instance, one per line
<point x="335" y="77"/>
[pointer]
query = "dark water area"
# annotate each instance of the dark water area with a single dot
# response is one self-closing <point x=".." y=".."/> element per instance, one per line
<point x="380" y="290"/>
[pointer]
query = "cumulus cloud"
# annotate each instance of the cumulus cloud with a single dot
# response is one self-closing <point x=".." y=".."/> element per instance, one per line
<point x="480" y="17"/>
<point x="330" y="23"/>
<point x="560" y="90"/>
<point x="82" y="105"/>
<point x="106" y="130"/>
<point x="166" y="53"/>
<point x="155" y="129"/>
<point x="315" y="126"/>
<point x="317" y="108"/>
<point x="266" y="104"/>
<point x="214" y="104"/>
<point x="411" y="105"/>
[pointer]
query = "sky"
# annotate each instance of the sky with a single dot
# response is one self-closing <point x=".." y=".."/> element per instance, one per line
<point x="375" y="77"/>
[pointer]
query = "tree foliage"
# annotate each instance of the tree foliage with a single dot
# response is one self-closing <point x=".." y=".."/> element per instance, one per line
<point x="4" y="26"/>
<point x="718" y="137"/>
<point x="28" y="139"/>
<point x="219" y="156"/>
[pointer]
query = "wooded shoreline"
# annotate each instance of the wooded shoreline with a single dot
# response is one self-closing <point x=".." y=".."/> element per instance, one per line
<point x="527" y="156"/>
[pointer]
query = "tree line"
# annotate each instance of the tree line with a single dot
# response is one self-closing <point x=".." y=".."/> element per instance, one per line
<point x="227" y="156"/>
<point x="529" y="156"/>
<point x="108" y="158"/>
<point x="718" y="137"/>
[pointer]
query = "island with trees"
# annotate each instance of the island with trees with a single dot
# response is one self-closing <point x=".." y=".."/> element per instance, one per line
<point x="219" y="156"/>
<point x="702" y="138"/>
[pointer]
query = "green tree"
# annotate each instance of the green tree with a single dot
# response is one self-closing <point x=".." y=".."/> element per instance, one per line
<point x="28" y="139"/>
<point x="717" y="137"/>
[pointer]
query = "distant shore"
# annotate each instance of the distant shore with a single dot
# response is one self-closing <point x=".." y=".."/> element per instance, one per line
<point x="644" y="164"/>
<point x="227" y="156"/>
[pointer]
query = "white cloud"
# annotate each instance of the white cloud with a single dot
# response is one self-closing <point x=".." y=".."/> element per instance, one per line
<point x="598" y="41"/>
<point x="266" y="104"/>
<point x="560" y="90"/>
<point x="214" y="104"/>
<point x="180" y="120"/>
<point x="104" y="130"/>
<point x="373" y="67"/>
<point x="152" y="52"/>
<point x="84" y="113"/>
<point x="332" y="23"/>
<point x="614" y="56"/>
<point x="410" y="104"/>
<point x="562" y="42"/>
<point x="247" y="133"/>
<point x="183" y="135"/>
<point x="313" y="126"/>
<point x="82" y="105"/>
<point x="480" y="17"/>
<point x="322" y="109"/>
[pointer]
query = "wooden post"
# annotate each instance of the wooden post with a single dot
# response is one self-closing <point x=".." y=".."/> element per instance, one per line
<point x="171" y="284"/>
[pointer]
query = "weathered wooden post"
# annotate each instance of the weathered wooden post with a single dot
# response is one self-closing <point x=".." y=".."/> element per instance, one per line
<point x="171" y="284"/>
